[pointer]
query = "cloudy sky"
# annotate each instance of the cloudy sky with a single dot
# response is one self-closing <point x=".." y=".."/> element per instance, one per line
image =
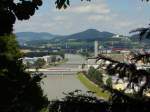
<point x="117" y="16"/>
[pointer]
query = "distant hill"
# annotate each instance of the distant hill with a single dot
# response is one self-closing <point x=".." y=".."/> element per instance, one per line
<point x="33" y="36"/>
<point x="90" y="34"/>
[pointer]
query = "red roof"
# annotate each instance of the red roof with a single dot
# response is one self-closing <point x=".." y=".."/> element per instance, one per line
<point x="118" y="49"/>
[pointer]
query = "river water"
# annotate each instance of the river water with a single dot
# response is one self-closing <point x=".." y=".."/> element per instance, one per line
<point x="55" y="84"/>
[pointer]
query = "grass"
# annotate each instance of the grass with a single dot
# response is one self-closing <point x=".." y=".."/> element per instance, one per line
<point x="93" y="87"/>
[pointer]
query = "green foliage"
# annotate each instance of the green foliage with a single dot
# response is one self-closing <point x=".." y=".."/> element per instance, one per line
<point x="10" y="10"/>
<point x="95" y="76"/>
<point x="63" y="3"/>
<point x="9" y="47"/>
<point x="39" y="63"/>
<point x="99" y="92"/>
<point x="20" y="90"/>
<point x="130" y="71"/>
<point x="109" y="82"/>
<point x="119" y="102"/>
<point x="76" y="101"/>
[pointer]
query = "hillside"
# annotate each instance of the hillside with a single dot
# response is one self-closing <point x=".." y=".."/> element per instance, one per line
<point x="90" y="34"/>
<point x="33" y="36"/>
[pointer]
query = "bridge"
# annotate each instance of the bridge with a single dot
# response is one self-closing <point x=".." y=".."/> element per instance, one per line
<point x="72" y="66"/>
<point x="59" y="70"/>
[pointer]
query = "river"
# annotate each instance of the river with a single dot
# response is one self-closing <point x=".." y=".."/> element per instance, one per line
<point x="55" y="85"/>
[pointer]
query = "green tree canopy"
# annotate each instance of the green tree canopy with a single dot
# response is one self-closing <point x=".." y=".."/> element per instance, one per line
<point x="10" y="10"/>
<point x="20" y="90"/>
<point x="39" y="63"/>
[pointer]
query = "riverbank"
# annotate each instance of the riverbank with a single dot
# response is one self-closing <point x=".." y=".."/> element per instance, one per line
<point x="93" y="87"/>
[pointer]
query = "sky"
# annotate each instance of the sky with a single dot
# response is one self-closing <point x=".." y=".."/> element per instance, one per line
<point x="116" y="16"/>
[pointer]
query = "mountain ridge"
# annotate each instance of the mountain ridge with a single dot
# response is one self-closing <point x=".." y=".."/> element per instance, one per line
<point x="83" y="35"/>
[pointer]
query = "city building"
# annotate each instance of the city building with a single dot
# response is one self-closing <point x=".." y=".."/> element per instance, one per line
<point x="48" y="59"/>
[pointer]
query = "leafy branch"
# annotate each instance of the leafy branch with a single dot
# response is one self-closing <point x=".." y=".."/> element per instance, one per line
<point x="135" y="78"/>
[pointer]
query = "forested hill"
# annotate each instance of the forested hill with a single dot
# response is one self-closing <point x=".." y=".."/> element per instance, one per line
<point x="90" y="34"/>
<point x="33" y="36"/>
<point x="84" y="35"/>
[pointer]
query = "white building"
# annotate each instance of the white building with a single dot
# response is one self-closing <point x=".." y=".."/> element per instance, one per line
<point x="96" y="48"/>
<point x="47" y="59"/>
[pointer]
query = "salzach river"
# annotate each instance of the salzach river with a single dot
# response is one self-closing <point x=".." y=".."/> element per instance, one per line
<point x="55" y="84"/>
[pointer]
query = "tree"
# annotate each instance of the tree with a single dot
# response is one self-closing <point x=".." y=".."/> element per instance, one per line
<point x="10" y="10"/>
<point x="135" y="78"/>
<point x="95" y="76"/>
<point x="109" y="82"/>
<point x="39" y="63"/>
<point x="126" y="70"/>
<point x="78" y="102"/>
<point x="20" y="90"/>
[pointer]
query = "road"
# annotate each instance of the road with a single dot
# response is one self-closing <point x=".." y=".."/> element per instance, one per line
<point x="58" y="82"/>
